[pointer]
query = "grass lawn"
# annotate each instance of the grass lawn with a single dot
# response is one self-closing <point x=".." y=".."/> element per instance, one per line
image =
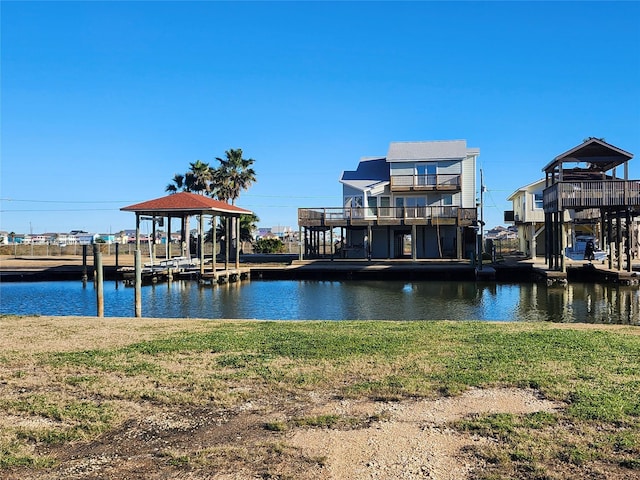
<point x="65" y="381"/>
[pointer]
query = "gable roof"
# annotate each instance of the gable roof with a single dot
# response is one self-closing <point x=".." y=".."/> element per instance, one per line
<point x="186" y="203"/>
<point x="370" y="172"/>
<point x="527" y="188"/>
<point x="433" y="150"/>
<point x="599" y="154"/>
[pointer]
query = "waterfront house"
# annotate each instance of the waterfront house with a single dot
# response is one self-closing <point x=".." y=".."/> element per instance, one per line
<point x="591" y="192"/>
<point x="528" y="216"/>
<point x="418" y="201"/>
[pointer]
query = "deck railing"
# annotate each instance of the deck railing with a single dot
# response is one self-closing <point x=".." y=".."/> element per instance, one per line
<point x="591" y="194"/>
<point x="341" y="215"/>
<point x="425" y="182"/>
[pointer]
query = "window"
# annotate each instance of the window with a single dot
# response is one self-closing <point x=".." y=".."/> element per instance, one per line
<point x="426" y="174"/>
<point x="373" y="205"/>
<point x="538" y="200"/>
<point x="447" y="200"/>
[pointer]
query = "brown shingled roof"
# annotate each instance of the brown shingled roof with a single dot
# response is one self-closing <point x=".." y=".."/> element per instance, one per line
<point x="186" y="203"/>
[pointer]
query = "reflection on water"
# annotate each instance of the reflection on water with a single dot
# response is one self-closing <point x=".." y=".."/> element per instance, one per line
<point x="333" y="300"/>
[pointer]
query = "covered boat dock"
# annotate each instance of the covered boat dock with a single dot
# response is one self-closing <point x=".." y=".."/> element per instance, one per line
<point x="184" y="205"/>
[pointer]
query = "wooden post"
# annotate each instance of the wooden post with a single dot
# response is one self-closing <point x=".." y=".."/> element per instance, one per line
<point x="237" y="235"/>
<point x="414" y="246"/>
<point x="152" y="243"/>
<point x="332" y="247"/>
<point x="138" y="283"/>
<point x="302" y="241"/>
<point x="609" y="239"/>
<point x="227" y="240"/>
<point x="99" y="279"/>
<point x="629" y="238"/>
<point x="201" y="245"/>
<point x="619" y="239"/>
<point x="168" y="238"/>
<point x="84" y="265"/>
<point x="214" y="248"/>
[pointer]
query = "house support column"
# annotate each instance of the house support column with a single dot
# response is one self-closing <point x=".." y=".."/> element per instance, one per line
<point x="628" y="237"/>
<point x="619" y="248"/>
<point x="547" y="239"/>
<point x="369" y="240"/>
<point x="563" y="241"/>
<point x="414" y="248"/>
<point x="609" y="239"/>
<point x="302" y="242"/>
<point x="332" y="245"/>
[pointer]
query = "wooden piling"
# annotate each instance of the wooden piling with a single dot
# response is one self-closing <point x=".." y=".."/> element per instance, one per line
<point x="99" y="280"/>
<point x="138" y="283"/>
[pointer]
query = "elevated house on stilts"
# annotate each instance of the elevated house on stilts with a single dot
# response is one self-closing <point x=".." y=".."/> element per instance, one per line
<point x="592" y="192"/>
<point x="417" y="202"/>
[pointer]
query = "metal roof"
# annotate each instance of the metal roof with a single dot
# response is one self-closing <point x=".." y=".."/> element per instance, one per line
<point x="185" y="203"/>
<point x="432" y="150"/>
<point x="370" y="171"/>
<point x="600" y="156"/>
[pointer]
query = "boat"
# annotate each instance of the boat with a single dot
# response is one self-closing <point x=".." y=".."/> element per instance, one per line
<point x="577" y="250"/>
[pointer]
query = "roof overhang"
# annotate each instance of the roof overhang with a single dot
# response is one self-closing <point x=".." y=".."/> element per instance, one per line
<point x="600" y="155"/>
<point x="185" y="203"/>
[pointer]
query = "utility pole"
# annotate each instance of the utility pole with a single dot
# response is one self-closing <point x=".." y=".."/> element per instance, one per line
<point x="481" y="215"/>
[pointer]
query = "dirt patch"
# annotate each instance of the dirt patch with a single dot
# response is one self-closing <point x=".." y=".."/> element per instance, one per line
<point x="407" y="439"/>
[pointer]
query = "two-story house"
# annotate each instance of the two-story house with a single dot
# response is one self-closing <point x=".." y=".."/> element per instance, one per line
<point x="418" y="201"/>
<point x="528" y="217"/>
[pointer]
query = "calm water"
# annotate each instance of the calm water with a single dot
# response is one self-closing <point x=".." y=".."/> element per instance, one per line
<point x="334" y="300"/>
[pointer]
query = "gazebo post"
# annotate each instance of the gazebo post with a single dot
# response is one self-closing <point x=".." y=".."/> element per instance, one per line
<point x="237" y="222"/>
<point x="214" y="247"/>
<point x="226" y="243"/>
<point x="168" y="238"/>
<point x="201" y="245"/>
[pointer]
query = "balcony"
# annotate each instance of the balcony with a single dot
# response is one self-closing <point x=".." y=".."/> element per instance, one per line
<point x="421" y="183"/>
<point x="354" y="216"/>
<point x="592" y="194"/>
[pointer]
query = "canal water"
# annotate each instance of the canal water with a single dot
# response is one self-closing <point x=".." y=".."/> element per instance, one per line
<point x="335" y="300"/>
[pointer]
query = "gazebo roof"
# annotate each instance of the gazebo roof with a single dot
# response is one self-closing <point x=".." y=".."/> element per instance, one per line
<point x="185" y="203"/>
<point x="600" y="156"/>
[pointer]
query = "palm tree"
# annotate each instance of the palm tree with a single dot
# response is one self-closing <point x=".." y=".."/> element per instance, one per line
<point x="248" y="225"/>
<point x="178" y="184"/>
<point x="201" y="176"/>
<point x="232" y="176"/>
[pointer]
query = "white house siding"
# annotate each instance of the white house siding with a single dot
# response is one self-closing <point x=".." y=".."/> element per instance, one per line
<point x="469" y="182"/>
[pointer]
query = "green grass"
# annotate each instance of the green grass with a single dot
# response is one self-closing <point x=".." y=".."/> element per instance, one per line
<point x="596" y="372"/>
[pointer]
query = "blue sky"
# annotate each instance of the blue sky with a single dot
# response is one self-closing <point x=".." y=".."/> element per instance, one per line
<point x="103" y="102"/>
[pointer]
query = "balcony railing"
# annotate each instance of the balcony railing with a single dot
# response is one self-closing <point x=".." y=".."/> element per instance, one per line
<point x="345" y="215"/>
<point x="591" y="194"/>
<point x="425" y="182"/>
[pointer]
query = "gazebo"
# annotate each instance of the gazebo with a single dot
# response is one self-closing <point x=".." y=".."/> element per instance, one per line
<point x="183" y="205"/>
